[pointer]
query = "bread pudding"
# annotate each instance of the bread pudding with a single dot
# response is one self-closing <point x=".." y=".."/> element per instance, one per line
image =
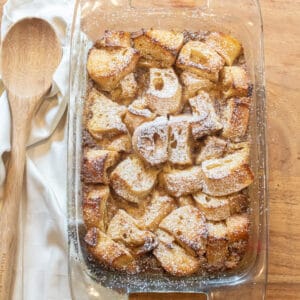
<point x="166" y="159"/>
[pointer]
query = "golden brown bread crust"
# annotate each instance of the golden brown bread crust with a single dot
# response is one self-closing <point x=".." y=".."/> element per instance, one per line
<point x="197" y="57"/>
<point x="187" y="225"/>
<point x="239" y="179"/>
<point x="132" y="180"/>
<point x="114" y="39"/>
<point x="158" y="48"/>
<point x="158" y="208"/>
<point x="108" y="252"/>
<point x="95" y="164"/>
<point x="136" y="210"/>
<point x="163" y="95"/>
<point x="227" y="175"/>
<point x="174" y="259"/>
<point x="193" y="83"/>
<point x="235" y="82"/>
<point x="123" y="228"/>
<point x="238" y="203"/>
<point x="214" y="208"/>
<point x="182" y="182"/>
<point x="227" y="46"/>
<point x="137" y="114"/>
<point x="236" y="118"/>
<point x="108" y="66"/>
<point x="180" y="142"/>
<point x="175" y="128"/>
<point x="220" y="208"/>
<point x="150" y="141"/>
<point x="237" y="227"/>
<point x="120" y="143"/>
<point x="217" y="244"/>
<point x="205" y="121"/>
<point x="213" y="148"/>
<point x="126" y="91"/>
<point x="185" y="200"/>
<point x="94" y="207"/>
<point x="106" y="116"/>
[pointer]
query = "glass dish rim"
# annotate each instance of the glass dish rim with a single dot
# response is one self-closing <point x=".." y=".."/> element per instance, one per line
<point x="264" y="214"/>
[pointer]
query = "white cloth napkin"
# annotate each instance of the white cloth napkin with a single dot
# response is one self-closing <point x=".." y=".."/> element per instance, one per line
<point x="45" y="272"/>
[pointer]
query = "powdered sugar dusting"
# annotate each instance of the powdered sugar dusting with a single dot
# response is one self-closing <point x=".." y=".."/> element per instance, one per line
<point x="168" y="128"/>
<point x="150" y="140"/>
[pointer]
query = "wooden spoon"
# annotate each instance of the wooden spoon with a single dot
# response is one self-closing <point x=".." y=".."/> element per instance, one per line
<point x="31" y="53"/>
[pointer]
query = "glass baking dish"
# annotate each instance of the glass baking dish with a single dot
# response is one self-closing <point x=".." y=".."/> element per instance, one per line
<point x="243" y="20"/>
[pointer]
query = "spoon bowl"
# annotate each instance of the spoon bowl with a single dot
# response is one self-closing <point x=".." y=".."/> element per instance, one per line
<point x="30" y="55"/>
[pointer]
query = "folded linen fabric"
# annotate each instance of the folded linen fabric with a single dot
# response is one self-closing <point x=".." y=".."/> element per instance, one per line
<point x="43" y="226"/>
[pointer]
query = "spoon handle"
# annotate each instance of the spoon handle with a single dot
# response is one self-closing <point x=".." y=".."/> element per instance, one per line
<point x="9" y="214"/>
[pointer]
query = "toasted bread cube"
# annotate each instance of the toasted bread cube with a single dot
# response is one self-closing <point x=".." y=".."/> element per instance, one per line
<point x="185" y="200"/>
<point x="237" y="249"/>
<point x="236" y="118"/>
<point x="137" y="114"/>
<point x="149" y="63"/>
<point x="217" y="244"/>
<point x="126" y="91"/>
<point x="238" y="203"/>
<point x="114" y="39"/>
<point x="173" y="258"/>
<point x="106" y="251"/>
<point x="94" y="207"/>
<point x="180" y="142"/>
<point x="197" y="57"/>
<point x="150" y="141"/>
<point x="202" y="105"/>
<point x="159" y="207"/>
<point x="183" y="182"/>
<point x="142" y="76"/>
<point x="159" y="47"/>
<point x="237" y="227"/>
<point x="242" y="146"/>
<point x="227" y="175"/>
<point x="205" y="120"/>
<point x="108" y="66"/>
<point x="132" y="180"/>
<point x="135" y="210"/>
<point x="235" y="82"/>
<point x="165" y="237"/>
<point x="203" y="127"/>
<point x="226" y="45"/>
<point x="214" y="208"/>
<point x="233" y="260"/>
<point x="123" y="228"/>
<point x="193" y="83"/>
<point x="119" y="143"/>
<point x="187" y="225"/>
<point x="214" y="148"/>
<point x="95" y="164"/>
<point x="105" y="116"/>
<point x="164" y="92"/>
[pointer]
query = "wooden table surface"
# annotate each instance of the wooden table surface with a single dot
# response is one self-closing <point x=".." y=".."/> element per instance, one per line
<point x="282" y="55"/>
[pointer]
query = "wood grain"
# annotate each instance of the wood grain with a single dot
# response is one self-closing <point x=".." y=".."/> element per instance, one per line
<point x="30" y="54"/>
<point x="282" y="53"/>
<point x="167" y="297"/>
